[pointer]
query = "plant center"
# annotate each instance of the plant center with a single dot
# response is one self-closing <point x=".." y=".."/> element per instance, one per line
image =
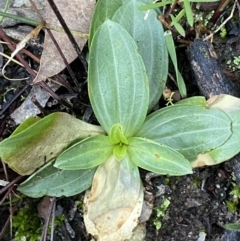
<point x="118" y="138"/>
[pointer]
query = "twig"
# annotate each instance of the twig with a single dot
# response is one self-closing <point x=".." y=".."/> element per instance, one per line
<point x="7" y="222"/>
<point x="28" y="68"/>
<point x="12" y="183"/>
<point x="50" y="210"/>
<point x="226" y="20"/>
<point x="53" y="220"/>
<point x="219" y="10"/>
<point x="171" y="9"/>
<point x="14" y="98"/>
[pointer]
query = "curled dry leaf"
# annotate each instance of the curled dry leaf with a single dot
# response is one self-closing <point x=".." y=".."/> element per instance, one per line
<point x="226" y="103"/>
<point x="77" y="15"/>
<point x="114" y="203"/>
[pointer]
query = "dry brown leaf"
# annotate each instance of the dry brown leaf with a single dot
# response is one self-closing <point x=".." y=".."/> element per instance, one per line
<point x="203" y="160"/>
<point x="114" y="203"/>
<point x="43" y="141"/>
<point x="226" y="103"/>
<point x="77" y="15"/>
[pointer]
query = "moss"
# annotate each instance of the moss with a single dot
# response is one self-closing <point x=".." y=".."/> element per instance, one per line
<point x="27" y="225"/>
<point x="232" y="203"/>
<point x="160" y="212"/>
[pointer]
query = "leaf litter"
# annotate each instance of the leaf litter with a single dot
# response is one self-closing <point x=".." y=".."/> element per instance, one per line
<point x="65" y="55"/>
<point x="77" y="16"/>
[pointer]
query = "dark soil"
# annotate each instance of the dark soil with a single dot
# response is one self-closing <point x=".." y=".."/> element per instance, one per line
<point x="198" y="202"/>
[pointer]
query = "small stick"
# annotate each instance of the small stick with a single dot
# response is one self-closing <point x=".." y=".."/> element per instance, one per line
<point x="226" y="20"/>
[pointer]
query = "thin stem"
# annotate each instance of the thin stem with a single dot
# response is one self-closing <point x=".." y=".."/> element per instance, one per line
<point x="5" y="9"/>
<point x="226" y="20"/>
<point x="22" y="19"/>
<point x="36" y="23"/>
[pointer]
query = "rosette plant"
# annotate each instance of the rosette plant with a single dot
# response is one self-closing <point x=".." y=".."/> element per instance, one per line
<point x="124" y="84"/>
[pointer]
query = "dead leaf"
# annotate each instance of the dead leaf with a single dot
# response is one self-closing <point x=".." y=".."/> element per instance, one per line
<point x="77" y="15"/>
<point x="43" y="141"/>
<point x="203" y="160"/>
<point x="43" y="208"/>
<point x="114" y="203"/>
<point x="21" y="8"/>
<point x="139" y="233"/>
<point x="226" y="103"/>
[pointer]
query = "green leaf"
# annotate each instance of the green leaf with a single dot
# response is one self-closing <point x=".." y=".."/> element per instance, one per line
<point x="179" y="16"/>
<point x="231" y="106"/>
<point x="232" y="146"/>
<point x="116" y="135"/>
<point x="189" y="13"/>
<point x="54" y="182"/>
<point x="148" y="34"/>
<point x="43" y="141"/>
<point x="115" y="202"/>
<point x="195" y="100"/>
<point x="157" y="158"/>
<point x="162" y="4"/>
<point x="27" y="123"/>
<point x="188" y="129"/>
<point x="85" y="154"/>
<point x="118" y="86"/>
<point x="172" y="53"/>
<point x="233" y="226"/>
<point x="154" y="5"/>
<point x="104" y="9"/>
<point x="120" y="151"/>
<point x="178" y="26"/>
<point x="204" y="1"/>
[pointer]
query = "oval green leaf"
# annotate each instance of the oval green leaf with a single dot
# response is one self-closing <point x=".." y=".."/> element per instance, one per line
<point x="104" y="9"/>
<point x="157" y="158"/>
<point x="118" y="85"/>
<point x="188" y="129"/>
<point x="225" y="151"/>
<point x="43" y="141"/>
<point x="55" y="182"/>
<point x="27" y="123"/>
<point x="231" y="106"/>
<point x="85" y="154"/>
<point x="147" y="31"/>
